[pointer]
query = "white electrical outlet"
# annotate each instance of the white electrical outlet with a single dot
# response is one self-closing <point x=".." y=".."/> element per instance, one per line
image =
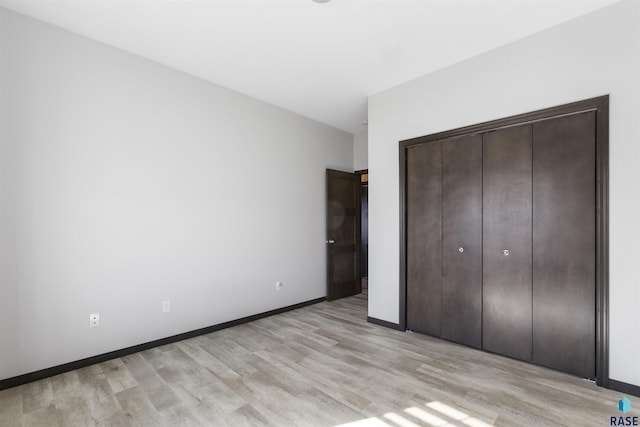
<point x="279" y="285"/>
<point x="166" y="306"/>
<point x="94" y="320"/>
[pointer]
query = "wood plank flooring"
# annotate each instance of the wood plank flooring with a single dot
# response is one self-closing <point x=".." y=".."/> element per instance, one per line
<point x="322" y="365"/>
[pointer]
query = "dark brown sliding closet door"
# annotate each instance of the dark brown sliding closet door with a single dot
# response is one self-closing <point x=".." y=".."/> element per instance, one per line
<point x="564" y="241"/>
<point x="506" y="317"/>
<point x="462" y="240"/>
<point x="424" y="219"/>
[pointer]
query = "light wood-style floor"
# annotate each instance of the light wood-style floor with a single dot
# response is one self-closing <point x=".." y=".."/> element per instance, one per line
<point x="322" y="365"/>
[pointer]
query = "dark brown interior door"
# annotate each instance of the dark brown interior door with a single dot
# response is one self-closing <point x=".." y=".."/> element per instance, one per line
<point x="564" y="239"/>
<point x="506" y="222"/>
<point x="343" y="234"/>
<point x="462" y="240"/>
<point x="424" y="239"/>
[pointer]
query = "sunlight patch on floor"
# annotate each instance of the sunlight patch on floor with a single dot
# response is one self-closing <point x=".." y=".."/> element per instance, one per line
<point x="427" y="417"/>
<point x="436" y="414"/>
<point x="367" y="422"/>
<point x="400" y="420"/>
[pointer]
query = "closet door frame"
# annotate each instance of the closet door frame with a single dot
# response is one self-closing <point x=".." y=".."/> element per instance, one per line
<point x="599" y="105"/>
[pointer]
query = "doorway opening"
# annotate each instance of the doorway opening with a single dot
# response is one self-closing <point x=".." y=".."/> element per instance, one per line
<point x="364" y="229"/>
<point x="347" y="233"/>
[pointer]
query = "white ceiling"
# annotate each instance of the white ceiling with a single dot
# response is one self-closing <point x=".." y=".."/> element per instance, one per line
<point x="318" y="60"/>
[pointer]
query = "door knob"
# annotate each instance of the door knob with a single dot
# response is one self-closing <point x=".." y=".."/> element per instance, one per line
<point x="505" y="252"/>
<point x="460" y="249"/>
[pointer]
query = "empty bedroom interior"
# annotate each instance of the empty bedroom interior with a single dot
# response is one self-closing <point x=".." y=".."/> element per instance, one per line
<point x="169" y="203"/>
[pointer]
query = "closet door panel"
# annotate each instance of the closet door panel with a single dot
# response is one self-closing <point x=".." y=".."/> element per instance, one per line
<point x="564" y="243"/>
<point x="424" y="225"/>
<point x="506" y="219"/>
<point x="462" y="240"/>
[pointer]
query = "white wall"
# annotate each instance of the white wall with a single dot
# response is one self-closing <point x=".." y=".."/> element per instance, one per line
<point x="360" y="146"/>
<point x="124" y="183"/>
<point x="594" y="55"/>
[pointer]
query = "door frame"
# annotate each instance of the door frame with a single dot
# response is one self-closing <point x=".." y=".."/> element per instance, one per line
<point x="600" y="105"/>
